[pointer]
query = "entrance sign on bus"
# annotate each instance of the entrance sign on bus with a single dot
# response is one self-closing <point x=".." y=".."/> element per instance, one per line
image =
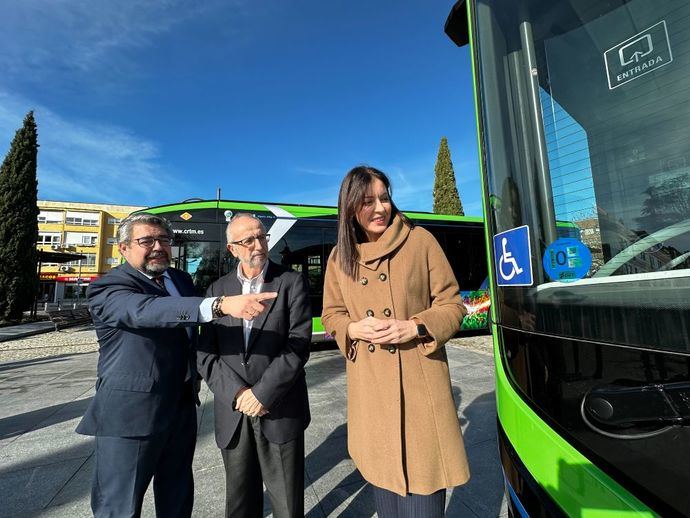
<point x="513" y="257"/>
<point x="638" y="55"/>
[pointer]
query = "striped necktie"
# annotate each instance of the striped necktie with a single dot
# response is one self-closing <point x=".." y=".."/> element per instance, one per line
<point x="161" y="284"/>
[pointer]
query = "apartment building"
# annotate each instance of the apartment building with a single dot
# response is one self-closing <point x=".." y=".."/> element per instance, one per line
<point x="88" y="229"/>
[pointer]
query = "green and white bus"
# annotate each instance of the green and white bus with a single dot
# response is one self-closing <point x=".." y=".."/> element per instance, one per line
<point x="302" y="238"/>
<point x="583" y="114"/>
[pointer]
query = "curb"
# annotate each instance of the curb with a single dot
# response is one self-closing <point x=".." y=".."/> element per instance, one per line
<point x="23" y="334"/>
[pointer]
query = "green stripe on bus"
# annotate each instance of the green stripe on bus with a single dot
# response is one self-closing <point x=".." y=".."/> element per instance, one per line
<point x="242" y="206"/>
<point x="298" y="211"/>
<point x="309" y="212"/>
<point x="442" y="217"/>
<point x="569" y="224"/>
<point x="316" y="325"/>
<point x="577" y="485"/>
<point x="213" y="204"/>
<point x="182" y="207"/>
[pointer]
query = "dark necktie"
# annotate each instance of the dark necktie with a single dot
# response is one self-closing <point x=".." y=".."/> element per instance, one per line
<point x="161" y="284"/>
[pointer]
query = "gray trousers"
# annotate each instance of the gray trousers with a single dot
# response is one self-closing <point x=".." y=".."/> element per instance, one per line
<point x="251" y="461"/>
<point x="392" y="505"/>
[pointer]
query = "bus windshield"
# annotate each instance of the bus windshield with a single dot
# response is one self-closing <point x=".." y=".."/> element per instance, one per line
<point x="585" y="104"/>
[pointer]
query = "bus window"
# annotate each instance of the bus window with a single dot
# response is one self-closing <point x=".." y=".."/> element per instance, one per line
<point x="201" y="260"/>
<point x="568" y="154"/>
<point x="466" y="252"/>
<point x="302" y="238"/>
<point x="302" y="249"/>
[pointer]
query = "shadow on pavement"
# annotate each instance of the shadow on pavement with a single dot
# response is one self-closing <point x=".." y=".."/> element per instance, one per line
<point x="6" y="366"/>
<point x="480" y="434"/>
<point x="41" y="418"/>
<point x="326" y="457"/>
<point x="60" y="489"/>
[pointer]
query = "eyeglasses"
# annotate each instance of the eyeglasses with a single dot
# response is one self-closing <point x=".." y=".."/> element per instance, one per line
<point x="149" y="242"/>
<point x="249" y="241"/>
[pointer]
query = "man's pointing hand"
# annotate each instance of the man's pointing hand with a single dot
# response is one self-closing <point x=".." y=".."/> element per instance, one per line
<point x="246" y="306"/>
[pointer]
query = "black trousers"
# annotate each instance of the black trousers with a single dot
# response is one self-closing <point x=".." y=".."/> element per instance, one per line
<point x="251" y="461"/>
<point x="392" y="505"/>
<point x="125" y="466"/>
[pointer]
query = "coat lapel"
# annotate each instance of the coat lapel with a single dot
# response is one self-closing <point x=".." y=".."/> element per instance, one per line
<point x="183" y="288"/>
<point x="150" y="284"/>
<point x="271" y="283"/>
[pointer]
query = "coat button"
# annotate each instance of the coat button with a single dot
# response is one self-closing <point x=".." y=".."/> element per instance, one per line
<point x="391" y="349"/>
<point x="364" y="281"/>
<point x="387" y="312"/>
<point x="370" y="313"/>
<point x="383" y="276"/>
<point x="371" y="348"/>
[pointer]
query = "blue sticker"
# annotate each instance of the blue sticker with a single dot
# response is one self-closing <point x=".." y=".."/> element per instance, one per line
<point x="513" y="257"/>
<point x="566" y="260"/>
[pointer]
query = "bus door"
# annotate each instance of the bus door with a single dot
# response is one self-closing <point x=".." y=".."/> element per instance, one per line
<point x="584" y="108"/>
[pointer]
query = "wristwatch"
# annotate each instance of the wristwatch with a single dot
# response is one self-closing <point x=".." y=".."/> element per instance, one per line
<point x="421" y="331"/>
<point x="216" y="307"/>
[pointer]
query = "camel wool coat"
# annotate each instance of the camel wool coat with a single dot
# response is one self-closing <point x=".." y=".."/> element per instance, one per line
<point x="403" y="429"/>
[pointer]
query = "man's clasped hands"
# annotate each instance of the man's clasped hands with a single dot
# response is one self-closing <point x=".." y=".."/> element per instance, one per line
<point x="248" y="307"/>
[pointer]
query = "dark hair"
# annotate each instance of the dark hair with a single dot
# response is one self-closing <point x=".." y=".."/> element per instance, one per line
<point x="353" y="189"/>
<point x="124" y="231"/>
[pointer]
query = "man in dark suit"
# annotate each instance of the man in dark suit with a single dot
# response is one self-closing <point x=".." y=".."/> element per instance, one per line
<point x="256" y="372"/>
<point x="143" y="413"/>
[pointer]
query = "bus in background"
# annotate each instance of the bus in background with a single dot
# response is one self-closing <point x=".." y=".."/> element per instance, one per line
<point x="582" y="111"/>
<point x="302" y="238"/>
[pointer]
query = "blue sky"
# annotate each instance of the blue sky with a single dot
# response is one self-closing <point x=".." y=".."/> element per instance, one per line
<point x="151" y="102"/>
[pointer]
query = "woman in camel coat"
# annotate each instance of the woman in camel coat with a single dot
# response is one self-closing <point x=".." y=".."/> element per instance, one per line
<point x="391" y="302"/>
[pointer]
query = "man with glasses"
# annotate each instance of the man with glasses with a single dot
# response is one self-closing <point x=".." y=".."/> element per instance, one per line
<point x="255" y="369"/>
<point x="143" y="414"/>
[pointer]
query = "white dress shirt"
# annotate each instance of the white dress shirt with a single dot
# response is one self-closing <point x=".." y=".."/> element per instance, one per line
<point x="252" y="285"/>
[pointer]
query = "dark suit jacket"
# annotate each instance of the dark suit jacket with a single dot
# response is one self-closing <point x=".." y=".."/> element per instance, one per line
<point x="273" y="365"/>
<point x="146" y="343"/>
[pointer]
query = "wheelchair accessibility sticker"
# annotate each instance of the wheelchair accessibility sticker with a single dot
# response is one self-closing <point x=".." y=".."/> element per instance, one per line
<point x="513" y="257"/>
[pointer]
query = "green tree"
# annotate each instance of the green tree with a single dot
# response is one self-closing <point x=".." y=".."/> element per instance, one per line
<point x="446" y="197"/>
<point x="19" y="223"/>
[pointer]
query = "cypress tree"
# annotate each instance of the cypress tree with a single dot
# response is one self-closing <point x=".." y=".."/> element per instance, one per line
<point x="446" y="197"/>
<point x="19" y="223"/>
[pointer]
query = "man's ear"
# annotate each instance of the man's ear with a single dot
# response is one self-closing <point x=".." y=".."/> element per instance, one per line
<point x="231" y="250"/>
<point x="122" y="247"/>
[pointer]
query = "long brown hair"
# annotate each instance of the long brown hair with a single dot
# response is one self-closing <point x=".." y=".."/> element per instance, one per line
<point x="350" y="200"/>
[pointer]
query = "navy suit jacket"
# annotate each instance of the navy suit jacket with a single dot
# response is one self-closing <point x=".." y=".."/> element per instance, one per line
<point x="273" y="363"/>
<point x="146" y="346"/>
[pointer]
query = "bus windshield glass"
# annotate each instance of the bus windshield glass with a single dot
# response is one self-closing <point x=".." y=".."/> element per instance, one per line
<point x="585" y="105"/>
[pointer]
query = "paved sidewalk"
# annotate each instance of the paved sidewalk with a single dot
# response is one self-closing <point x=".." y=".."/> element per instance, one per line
<point x="45" y="468"/>
<point x="28" y="329"/>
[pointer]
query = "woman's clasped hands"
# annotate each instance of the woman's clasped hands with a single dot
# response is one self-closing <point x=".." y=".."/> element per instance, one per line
<point x="384" y="332"/>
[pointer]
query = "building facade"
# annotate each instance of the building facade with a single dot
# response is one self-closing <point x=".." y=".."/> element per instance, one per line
<point x="88" y="229"/>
